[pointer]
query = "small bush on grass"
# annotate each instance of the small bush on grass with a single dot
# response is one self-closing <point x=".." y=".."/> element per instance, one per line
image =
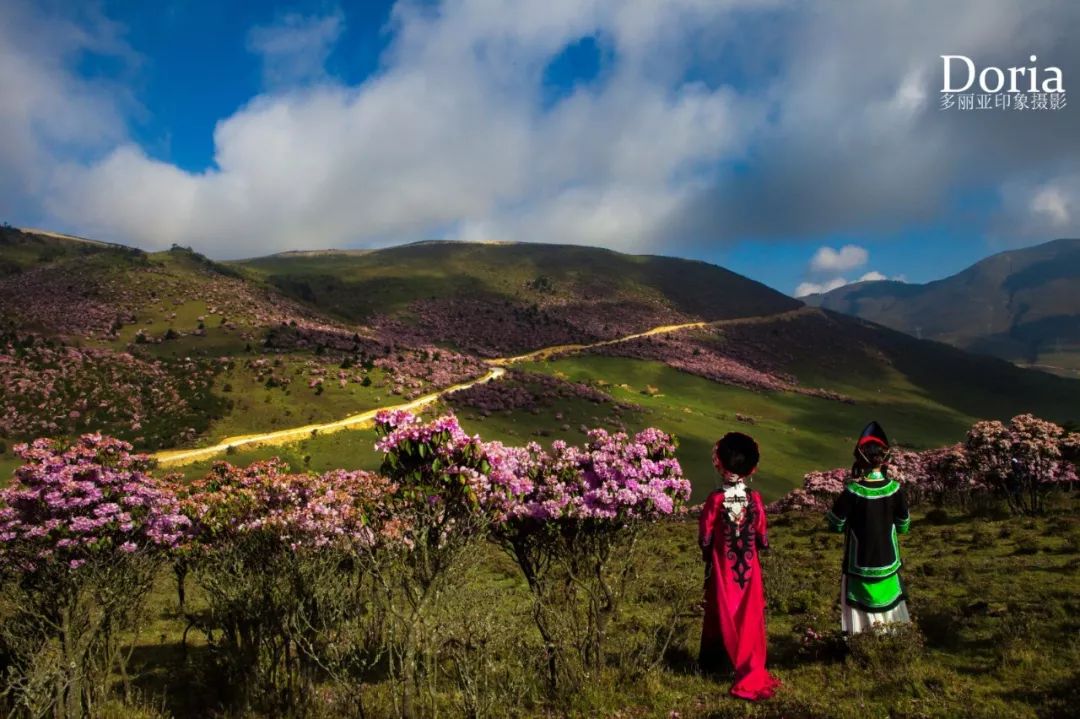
<point x="887" y="652"/>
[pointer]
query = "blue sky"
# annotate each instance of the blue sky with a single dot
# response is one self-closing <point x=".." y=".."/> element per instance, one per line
<point x="800" y="144"/>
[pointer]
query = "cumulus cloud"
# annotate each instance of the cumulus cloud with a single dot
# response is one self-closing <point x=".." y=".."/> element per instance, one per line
<point x="48" y="111"/>
<point x="711" y="122"/>
<point x="848" y="257"/>
<point x="827" y="265"/>
<point x="450" y="138"/>
<point x="813" y="288"/>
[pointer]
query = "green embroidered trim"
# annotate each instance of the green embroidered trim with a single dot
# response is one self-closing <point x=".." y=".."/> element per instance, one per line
<point x="874" y="593"/>
<point x="903" y="525"/>
<point x="874" y="492"/>
<point x="873" y="572"/>
<point x="835" y="523"/>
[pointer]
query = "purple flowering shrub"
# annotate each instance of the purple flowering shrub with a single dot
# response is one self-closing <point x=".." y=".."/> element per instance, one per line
<point x="297" y="511"/>
<point x="441" y="503"/>
<point x="570" y="517"/>
<point x="94" y="498"/>
<point x="276" y="555"/>
<point x="1018" y="461"/>
<point x="83" y="532"/>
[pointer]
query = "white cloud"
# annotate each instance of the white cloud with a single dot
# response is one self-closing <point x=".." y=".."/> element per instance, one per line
<point x="450" y="138"/>
<point x="831" y="119"/>
<point x="1034" y="210"/>
<point x="811" y="288"/>
<point x="848" y="257"/>
<point x="872" y="276"/>
<point x="295" y="49"/>
<point x="47" y="110"/>
<point x="1050" y="203"/>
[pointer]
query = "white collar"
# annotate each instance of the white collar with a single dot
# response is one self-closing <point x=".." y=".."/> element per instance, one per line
<point x="735" y="499"/>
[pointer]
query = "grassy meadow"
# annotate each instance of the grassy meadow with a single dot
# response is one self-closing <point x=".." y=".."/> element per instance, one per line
<point x="995" y="635"/>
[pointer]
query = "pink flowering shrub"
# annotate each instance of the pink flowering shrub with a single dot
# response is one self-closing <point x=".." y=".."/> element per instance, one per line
<point x="441" y="498"/>
<point x="568" y="515"/>
<point x="92" y="499"/>
<point x="817" y="493"/>
<point x="297" y="511"/>
<point x="1018" y="461"/>
<point x="83" y="532"/>
<point x="570" y="518"/>
<point x="276" y="555"/>
<point x="1021" y="460"/>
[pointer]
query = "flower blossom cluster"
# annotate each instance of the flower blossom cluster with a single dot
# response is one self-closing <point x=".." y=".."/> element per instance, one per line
<point x="93" y="498"/>
<point x="994" y="455"/>
<point x="299" y="510"/>
<point x="611" y="477"/>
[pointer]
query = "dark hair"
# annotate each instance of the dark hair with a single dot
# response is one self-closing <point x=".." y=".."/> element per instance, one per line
<point x="738" y="453"/>
<point x="869" y="456"/>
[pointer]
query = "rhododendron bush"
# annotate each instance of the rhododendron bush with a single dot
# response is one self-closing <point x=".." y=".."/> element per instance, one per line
<point x="304" y="574"/>
<point x="1019" y="462"/>
<point x="568" y="516"/>
<point x="83" y="531"/>
<point x="275" y="555"/>
<point x="570" y="519"/>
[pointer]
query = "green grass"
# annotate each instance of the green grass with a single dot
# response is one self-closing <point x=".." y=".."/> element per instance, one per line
<point x="797" y="433"/>
<point x="258" y="408"/>
<point x="354" y="285"/>
<point x="994" y="601"/>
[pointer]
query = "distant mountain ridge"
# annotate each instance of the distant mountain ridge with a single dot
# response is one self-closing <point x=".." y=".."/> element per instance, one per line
<point x="1020" y="305"/>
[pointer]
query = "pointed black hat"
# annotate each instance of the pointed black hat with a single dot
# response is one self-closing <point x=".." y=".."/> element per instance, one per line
<point x="738" y="453"/>
<point x="873" y="432"/>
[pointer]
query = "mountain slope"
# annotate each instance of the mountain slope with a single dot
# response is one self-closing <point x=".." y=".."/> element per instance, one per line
<point x="172" y="350"/>
<point x="1021" y="305"/>
<point x="495" y="299"/>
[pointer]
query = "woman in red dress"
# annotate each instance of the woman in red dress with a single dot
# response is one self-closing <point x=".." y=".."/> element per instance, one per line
<point x="731" y="533"/>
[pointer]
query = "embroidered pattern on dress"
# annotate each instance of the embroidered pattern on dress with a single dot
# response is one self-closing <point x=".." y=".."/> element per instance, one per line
<point x="740" y="545"/>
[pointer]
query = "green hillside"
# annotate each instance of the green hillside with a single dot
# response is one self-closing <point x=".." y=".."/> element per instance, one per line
<point x="208" y="351"/>
<point x="496" y="298"/>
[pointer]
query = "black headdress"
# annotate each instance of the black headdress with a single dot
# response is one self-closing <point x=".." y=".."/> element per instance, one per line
<point x="737" y="453"/>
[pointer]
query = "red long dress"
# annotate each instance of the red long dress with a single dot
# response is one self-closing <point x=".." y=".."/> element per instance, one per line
<point x="735" y="594"/>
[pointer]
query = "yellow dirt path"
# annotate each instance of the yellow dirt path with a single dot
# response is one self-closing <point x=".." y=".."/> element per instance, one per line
<point x="177" y="457"/>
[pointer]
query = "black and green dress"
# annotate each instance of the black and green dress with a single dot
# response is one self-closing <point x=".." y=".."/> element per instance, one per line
<point x="871" y="512"/>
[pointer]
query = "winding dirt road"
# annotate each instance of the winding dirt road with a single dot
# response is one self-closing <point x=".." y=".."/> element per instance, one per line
<point x="177" y="457"/>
